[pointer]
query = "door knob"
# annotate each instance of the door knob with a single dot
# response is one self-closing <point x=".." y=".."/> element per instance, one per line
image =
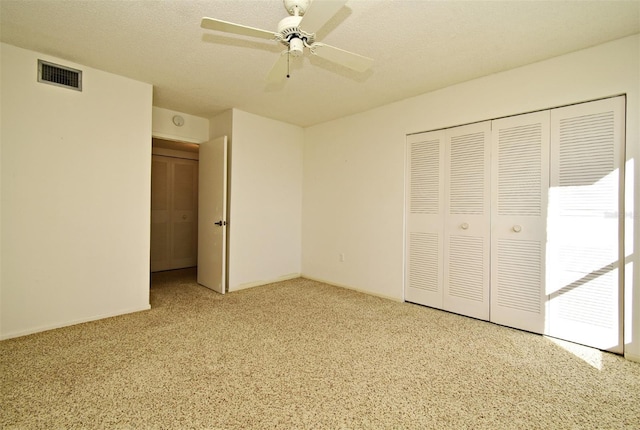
<point x="184" y="216"/>
<point x="517" y="228"/>
<point x="464" y="226"/>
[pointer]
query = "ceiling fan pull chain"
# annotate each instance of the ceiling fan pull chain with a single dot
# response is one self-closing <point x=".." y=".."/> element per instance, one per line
<point x="288" y="59"/>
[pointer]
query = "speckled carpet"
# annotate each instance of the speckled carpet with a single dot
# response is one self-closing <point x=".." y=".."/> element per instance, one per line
<point x="304" y="355"/>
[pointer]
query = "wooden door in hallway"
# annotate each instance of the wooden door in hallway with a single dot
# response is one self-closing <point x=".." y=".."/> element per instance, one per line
<point x="174" y="213"/>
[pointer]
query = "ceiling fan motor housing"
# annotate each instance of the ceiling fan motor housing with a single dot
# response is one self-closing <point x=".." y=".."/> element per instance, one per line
<point x="292" y="36"/>
<point x="289" y="27"/>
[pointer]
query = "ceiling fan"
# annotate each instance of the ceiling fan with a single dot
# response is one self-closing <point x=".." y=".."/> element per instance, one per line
<point x="298" y="32"/>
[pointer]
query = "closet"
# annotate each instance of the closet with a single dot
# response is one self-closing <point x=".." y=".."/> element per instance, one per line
<point x="519" y="221"/>
<point x="174" y="213"/>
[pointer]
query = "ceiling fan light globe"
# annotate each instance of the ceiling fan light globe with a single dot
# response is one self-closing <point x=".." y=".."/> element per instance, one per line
<point x="296" y="47"/>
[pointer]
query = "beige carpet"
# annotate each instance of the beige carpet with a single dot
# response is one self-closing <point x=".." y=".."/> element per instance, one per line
<point x="301" y="354"/>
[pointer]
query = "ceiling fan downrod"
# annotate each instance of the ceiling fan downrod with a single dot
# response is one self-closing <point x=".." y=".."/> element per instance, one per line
<point x="296" y="7"/>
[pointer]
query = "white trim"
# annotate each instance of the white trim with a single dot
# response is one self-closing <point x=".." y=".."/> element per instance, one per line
<point x="632" y="357"/>
<point x="348" y="287"/>
<point x="263" y="282"/>
<point x="175" y="153"/>
<point x="73" y="322"/>
<point x="176" y="138"/>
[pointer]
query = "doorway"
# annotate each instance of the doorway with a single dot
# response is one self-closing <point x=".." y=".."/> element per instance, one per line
<point x="174" y="205"/>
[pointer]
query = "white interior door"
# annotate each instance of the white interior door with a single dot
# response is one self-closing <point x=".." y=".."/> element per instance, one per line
<point x="520" y="148"/>
<point x="467" y="224"/>
<point x="212" y="214"/>
<point x="424" y="209"/>
<point x="585" y="255"/>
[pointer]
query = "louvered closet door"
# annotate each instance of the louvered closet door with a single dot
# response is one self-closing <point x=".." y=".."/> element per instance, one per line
<point x="184" y="229"/>
<point x="467" y="220"/>
<point x="174" y="213"/>
<point x="520" y="149"/>
<point x="425" y="197"/>
<point x="160" y="213"/>
<point x="585" y="223"/>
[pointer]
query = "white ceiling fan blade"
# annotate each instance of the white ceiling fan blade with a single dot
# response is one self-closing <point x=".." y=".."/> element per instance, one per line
<point x="280" y="69"/>
<point x="318" y="13"/>
<point x="230" y="27"/>
<point x="348" y="59"/>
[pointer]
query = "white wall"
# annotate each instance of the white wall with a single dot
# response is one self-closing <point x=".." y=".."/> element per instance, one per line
<point x="265" y="200"/>
<point x="221" y="125"/>
<point x="353" y="192"/>
<point x="194" y="130"/>
<point x="75" y="194"/>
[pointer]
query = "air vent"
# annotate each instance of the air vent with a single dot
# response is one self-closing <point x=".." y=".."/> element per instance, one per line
<point x="62" y="76"/>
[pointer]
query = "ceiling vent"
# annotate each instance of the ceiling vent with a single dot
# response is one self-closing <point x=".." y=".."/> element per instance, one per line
<point x="62" y="76"/>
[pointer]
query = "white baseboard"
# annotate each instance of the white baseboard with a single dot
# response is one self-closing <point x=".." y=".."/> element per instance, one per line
<point x="631" y="357"/>
<point x="349" y="287"/>
<point x="264" y="282"/>
<point x="72" y="322"/>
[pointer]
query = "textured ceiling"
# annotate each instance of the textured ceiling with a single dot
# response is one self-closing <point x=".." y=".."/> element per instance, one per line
<point x="418" y="46"/>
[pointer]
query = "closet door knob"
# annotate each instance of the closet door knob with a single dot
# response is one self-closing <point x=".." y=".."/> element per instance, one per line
<point x="517" y="228"/>
<point x="464" y="226"/>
